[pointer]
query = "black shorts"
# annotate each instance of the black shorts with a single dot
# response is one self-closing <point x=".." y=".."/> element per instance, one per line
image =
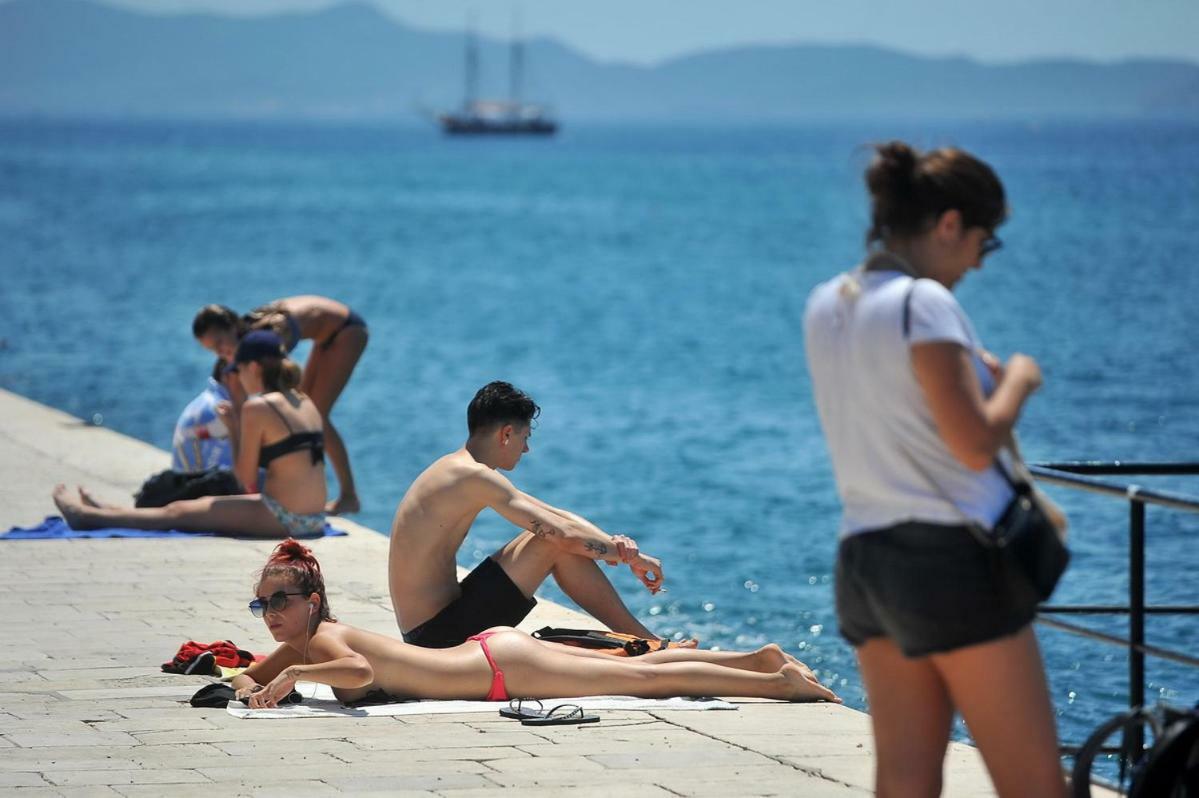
<point x="489" y="598"/>
<point x="927" y="587"/>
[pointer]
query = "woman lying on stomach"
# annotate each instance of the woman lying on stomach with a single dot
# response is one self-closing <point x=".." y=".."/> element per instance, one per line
<point x="493" y="666"/>
<point x="279" y="430"/>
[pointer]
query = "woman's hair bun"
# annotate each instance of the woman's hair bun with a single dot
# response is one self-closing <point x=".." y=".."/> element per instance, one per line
<point x="291" y="549"/>
<point x="894" y="166"/>
<point x="891" y="181"/>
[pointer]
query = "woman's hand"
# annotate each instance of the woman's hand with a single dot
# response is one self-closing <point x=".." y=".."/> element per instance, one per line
<point x="1023" y="368"/>
<point x="278" y="689"/>
<point x="246" y="692"/>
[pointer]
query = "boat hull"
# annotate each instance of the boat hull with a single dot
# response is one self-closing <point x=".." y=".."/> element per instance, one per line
<point x="467" y="126"/>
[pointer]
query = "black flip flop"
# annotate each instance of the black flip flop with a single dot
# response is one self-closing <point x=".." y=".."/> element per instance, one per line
<point x="561" y="715"/>
<point x="517" y="709"/>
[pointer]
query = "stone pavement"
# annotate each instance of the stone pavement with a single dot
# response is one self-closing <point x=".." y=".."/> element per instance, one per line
<point x="84" y="709"/>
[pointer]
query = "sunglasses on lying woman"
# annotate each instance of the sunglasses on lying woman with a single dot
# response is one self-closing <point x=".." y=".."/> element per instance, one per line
<point x="272" y="603"/>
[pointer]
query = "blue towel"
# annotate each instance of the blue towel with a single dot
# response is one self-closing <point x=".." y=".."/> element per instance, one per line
<point x="54" y="528"/>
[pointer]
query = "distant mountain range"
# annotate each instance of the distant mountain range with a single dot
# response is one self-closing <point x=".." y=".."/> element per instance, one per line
<point x="81" y="58"/>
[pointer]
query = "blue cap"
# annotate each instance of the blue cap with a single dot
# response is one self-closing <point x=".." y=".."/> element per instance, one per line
<point x="258" y="344"/>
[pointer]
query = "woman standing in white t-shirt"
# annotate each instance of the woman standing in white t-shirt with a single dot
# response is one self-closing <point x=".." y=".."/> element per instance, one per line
<point x="916" y="414"/>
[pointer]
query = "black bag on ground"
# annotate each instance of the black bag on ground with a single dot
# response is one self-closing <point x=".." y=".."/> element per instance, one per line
<point x="219" y="694"/>
<point x="172" y="486"/>
<point x="600" y="640"/>
<point x="213" y="696"/>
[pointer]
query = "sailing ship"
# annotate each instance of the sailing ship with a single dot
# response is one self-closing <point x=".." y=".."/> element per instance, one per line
<point x="512" y="116"/>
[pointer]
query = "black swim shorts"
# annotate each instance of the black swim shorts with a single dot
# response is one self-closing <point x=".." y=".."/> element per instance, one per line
<point x="930" y="588"/>
<point x="489" y="598"/>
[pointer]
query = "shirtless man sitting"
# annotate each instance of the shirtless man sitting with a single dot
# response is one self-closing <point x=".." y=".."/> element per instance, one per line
<point x="431" y="607"/>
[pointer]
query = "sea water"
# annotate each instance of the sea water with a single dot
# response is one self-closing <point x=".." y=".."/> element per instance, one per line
<point x="646" y="286"/>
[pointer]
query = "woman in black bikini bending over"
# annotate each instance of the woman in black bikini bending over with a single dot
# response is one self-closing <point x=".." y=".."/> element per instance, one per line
<point x="279" y="429"/>
<point x="339" y="337"/>
<point x="497" y="664"/>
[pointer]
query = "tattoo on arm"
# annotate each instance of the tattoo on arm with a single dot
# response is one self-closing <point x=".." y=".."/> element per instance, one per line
<point x="598" y="548"/>
<point x="543" y="530"/>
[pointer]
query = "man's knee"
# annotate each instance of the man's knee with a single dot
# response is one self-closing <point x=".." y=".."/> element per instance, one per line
<point x="527" y="561"/>
<point x="526" y="545"/>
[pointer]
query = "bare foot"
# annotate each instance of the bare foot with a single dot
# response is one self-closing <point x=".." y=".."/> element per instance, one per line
<point x="804" y="688"/>
<point x="71" y="509"/>
<point x="770" y="658"/>
<point x="88" y="499"/>
<point x="344" y="505"/>
<point x="795" y="661"/>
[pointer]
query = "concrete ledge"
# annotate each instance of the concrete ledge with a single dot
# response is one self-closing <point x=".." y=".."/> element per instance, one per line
<point x="83" y="706"/>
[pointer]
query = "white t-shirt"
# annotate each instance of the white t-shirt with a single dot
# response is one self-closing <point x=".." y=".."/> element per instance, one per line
<point x="873" y="411"/>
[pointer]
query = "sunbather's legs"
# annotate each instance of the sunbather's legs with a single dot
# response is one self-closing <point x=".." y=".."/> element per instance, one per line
<point x="243" y="515"/>
<point x="528" y="560"/>
<point x="530" y="670"/>
<point x="767" y="659"/>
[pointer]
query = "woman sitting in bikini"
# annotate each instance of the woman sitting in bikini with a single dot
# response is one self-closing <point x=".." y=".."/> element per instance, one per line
<point x="278" y="428"/>
<point x="501" y="662"/>
<point x="339" y="337"/>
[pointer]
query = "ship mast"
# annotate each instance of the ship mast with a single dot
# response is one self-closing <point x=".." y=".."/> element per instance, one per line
<point x="516" y="64"/>
<point x="471" y="92"/>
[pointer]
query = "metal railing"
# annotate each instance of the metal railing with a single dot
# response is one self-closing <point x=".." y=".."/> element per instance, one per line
<point x="1082" y="476"/>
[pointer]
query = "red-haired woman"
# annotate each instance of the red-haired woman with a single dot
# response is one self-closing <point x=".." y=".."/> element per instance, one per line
<point x="278" y="429"/>
<point x="339" y="336"/>
<point x="499" y="663"/>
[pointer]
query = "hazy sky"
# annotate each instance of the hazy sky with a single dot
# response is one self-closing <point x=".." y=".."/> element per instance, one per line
<point x="645" y="31"/>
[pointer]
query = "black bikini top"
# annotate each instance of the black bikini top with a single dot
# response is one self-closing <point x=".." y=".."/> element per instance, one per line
<point x="313" y="441"/>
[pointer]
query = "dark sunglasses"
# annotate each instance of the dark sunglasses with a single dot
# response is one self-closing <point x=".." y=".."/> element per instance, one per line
<point x="274" y="603"/>
<point x="989" y="245"/>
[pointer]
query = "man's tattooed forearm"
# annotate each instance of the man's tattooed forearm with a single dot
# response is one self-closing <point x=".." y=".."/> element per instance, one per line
<point x="598" y="548"/>
<point x="543" y="530"/>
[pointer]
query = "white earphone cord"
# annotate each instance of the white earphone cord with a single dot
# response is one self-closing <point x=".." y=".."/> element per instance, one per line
<point x="307" y="638"/>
